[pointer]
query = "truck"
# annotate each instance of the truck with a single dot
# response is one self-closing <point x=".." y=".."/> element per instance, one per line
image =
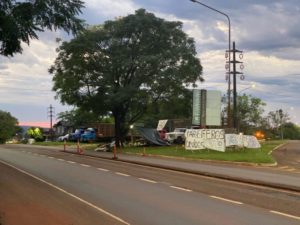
<point x="76" y="135"/>
<point x="104" y="131"/>
<point x="89" y="135"/>
<point x="177" y="136"/>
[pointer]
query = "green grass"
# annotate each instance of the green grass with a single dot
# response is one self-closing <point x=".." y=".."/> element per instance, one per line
<point x="234" y="155"/>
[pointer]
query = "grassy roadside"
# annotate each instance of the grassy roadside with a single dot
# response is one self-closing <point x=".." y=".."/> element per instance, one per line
<point x="234" y="155"/>
<point x="90" y="146"/>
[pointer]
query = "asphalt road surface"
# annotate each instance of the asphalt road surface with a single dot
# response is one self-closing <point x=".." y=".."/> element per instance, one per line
<point x="288" y="156"/>
<point x="26" y="200"/>
<point x="67" y="189"/>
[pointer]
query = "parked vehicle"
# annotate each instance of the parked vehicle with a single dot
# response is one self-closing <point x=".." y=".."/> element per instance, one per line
<point x="177" y="136"/>
<point x="76" y="135"/>
<point x="162" y="134"/>
<point x="88" y="135"/>
<point x="104" y="130"/>
<point x="63" y="138"/>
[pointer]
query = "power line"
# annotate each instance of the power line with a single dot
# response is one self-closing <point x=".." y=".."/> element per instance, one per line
<point x="51" y="114"/>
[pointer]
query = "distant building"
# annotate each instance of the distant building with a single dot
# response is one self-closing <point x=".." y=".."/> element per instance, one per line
<point x="62" y="128"/>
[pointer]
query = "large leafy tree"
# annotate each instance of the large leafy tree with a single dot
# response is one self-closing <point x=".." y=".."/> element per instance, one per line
<point x="35" y="133"/>
<point x="21" y="20"/>
<point x="8" y="127"/>
<point x="250" y="113"/>
<point x="277" y="120"/>
<point x="79" y="117"/>
<point x="290" y="131"/>
<point x="178" y="106"/>
<point x="125" y="65"/>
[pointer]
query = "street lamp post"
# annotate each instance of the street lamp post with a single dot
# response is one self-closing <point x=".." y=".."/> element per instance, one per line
<point x="252" y="86"/>
<point x="229" y="50"/>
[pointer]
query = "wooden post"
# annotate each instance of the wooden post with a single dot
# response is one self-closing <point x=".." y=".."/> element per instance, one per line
<point x="115" y="152"/>
<point x="144" y="152"/>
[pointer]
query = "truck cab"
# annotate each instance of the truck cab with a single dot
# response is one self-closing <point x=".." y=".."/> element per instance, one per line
<point x="88" y="135"/>
<point x="76" y="135"/>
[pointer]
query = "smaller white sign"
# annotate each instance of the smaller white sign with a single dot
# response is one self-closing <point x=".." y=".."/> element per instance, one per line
<point x="250" y="141"/>
<point x="247" y="141"/>
<point x="161" y="124"/>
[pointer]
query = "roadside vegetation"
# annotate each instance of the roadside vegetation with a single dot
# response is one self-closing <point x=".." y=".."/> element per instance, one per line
<point x="259" y="156"/>
<point x="234" y="155"/>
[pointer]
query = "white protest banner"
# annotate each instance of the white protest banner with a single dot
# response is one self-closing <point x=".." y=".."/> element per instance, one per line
<point x="213" y="139"/>
<point x="250" y="141"/>
<point x="234" y="140"/>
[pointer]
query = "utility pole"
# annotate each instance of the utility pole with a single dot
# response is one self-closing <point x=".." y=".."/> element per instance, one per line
<point x="280" y="112"/>
<point x="51" y="113"/>
<point x="228" y="67"/>
<point x="242" y="77"/>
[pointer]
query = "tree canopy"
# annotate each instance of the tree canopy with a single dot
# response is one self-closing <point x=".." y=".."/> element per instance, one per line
<point x="174" y="107"/>
<point x="36" y="133"/>
<point x="79" y="117"/>
<point x="125" y="65"/>
<point x="250" y="113"/>
<point x="21" y="20"/>
<point x="8" y="126"/>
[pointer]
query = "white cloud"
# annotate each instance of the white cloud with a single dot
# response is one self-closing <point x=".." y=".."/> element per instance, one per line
<point x="265" y="31"/>
<point x="259" y="65"/>
<point x="26" y="77"/>
<point x="109" y="8"/>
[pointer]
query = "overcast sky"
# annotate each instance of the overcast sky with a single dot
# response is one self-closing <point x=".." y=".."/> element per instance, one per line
<point x="266" y="30"/>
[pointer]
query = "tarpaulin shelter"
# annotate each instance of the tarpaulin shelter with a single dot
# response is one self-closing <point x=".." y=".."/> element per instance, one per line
<point x="152" y="136"/>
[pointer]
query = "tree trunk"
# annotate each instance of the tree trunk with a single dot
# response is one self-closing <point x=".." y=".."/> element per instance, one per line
<point x="119" y="123"/>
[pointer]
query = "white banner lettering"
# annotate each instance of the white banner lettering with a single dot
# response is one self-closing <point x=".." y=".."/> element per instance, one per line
<point x="213" y="139"/>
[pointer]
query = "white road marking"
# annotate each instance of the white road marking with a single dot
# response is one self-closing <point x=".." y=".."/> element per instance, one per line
<point x="85" y="165"/>
<point x="71" y="162"/>
<point x="287" y="215"/>
<point x="284" y="167"/>
<point x="68" y="193"/>
<point x="60" y="159"/>
<point x="181" y="189"/>
<point x="226" y="200"/>
<point x="101" y="169"/>
<point x="50" y="157"/>
<point x="122" y="174"/>
<point x="291" y="170"/>
<point x="149" y="181"/>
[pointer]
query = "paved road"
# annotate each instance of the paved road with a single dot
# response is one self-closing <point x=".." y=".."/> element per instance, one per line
<point x="138" y="199"/>
<point x="27" y="201"/>
<point x="288" y="156"/>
